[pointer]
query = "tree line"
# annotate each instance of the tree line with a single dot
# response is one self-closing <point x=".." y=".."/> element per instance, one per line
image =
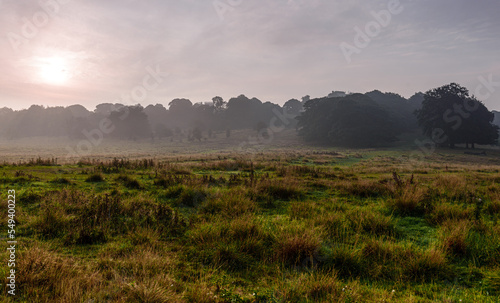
<point x="448" y="115"/>
<point x="182" y="119"/>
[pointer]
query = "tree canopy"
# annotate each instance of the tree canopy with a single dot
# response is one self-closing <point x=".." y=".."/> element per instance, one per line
<point x="450" y="115"/>
<point x="352" y="121"/>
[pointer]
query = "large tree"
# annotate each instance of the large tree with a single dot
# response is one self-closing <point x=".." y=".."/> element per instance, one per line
<point x="450" y="115"/>
<point x="131" y="123"/>
<point x="353" y="121"/>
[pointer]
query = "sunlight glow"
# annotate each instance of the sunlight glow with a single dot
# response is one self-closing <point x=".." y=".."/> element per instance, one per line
<point x="54" y="71"/>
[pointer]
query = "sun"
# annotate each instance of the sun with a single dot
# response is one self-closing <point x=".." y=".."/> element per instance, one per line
<point x="54" y="71"/>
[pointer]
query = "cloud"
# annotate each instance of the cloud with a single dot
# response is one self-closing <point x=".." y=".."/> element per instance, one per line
<point x="275" y="50"/>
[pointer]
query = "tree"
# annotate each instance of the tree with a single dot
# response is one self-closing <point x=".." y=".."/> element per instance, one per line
<point x="197" y="135"/>
<point x="180" y="106"/>
<point x="449" y="115"/>
<point x="352" y="121"/>
<point x="242" y="112"/>
<point x="162" y="131"/>
<point x="293" y="107"/>
<point x="219" y="103"/>
<point x="180" y="112"/>
<point x="131" y="123"/>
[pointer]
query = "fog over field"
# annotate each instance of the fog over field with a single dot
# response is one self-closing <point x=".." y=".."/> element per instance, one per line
<point x="249" y="151"/>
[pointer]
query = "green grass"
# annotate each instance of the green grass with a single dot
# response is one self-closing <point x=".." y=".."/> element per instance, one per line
<point x="285" y="227"/>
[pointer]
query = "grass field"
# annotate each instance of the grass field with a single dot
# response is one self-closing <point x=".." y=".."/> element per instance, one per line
<point x="284" y="225"/>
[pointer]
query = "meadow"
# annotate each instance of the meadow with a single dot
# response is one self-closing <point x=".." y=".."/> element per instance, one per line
<point x="284" y="225"/>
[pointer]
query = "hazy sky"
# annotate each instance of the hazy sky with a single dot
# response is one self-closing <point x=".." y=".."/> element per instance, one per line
<point x="93" y="51"/>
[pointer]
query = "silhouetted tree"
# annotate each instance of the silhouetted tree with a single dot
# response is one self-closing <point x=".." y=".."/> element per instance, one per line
<point x="293" y="107"/>
<point x="398" y="108"/>
<point x="353" y="121"/>
<point x="449" y="115"/>
<point x="130" y="123"/>
<point x="163" y="131"/>
<point x="197" y="135"/>
<point x="180" y="112"/>
<point x="218" y="103"/>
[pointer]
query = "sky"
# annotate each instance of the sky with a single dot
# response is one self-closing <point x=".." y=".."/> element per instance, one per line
<point x="64" y="52"/>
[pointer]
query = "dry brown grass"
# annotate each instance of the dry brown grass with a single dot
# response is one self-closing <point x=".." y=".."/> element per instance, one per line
<point x="454" y="237"/>
<point x="445" y="211"/>
<point x="454" y="186"/>
<point x="296" y="243"/>
<point x="317" y="287"/>
<point x="370" y="222"/>
<point x="45" y="274"/>
<point x="229" y="204"/>
<point x="410" y="200"/>
<point x="363" y="188"/>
